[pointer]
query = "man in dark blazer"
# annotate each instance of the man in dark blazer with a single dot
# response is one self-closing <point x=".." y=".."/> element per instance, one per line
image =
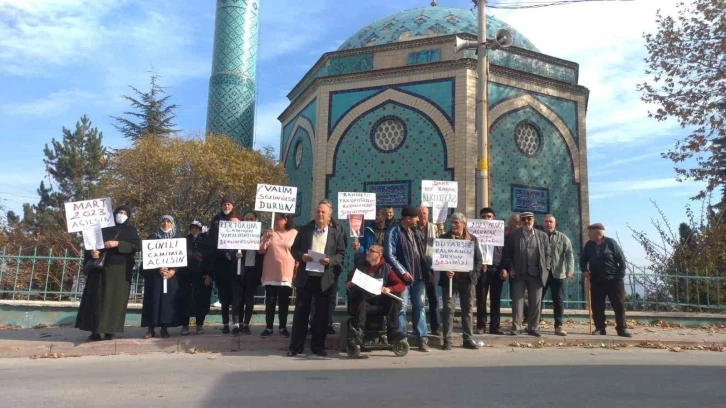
<point x="527" y="259"/>
<point x="318" y="237"/>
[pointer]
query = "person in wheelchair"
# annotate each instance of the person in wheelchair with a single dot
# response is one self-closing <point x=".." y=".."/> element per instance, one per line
<point x="362" y="303"/>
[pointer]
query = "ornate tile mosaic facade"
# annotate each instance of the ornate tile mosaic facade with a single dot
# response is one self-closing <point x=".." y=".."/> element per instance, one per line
<point x="392" y="193"/>
<point x="232" y="86"/>
<point x="349" y="64"/>
<point x="427" y="22"/>
<point x="423" y="57"/>
<point x="309" y="112"/>
<point x="301" y="176"/>
<point x="532" y="65"/>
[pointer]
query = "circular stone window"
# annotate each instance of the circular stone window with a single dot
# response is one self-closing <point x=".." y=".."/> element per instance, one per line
<point x="388" y="134"/>
<point x="528" y="139"/>
<point x="298" y="154"/>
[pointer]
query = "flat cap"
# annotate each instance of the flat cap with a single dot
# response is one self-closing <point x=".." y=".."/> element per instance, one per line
<point x="596" y="226"/>
<point x="526" y="214"/>
<point x="410" y="212"/>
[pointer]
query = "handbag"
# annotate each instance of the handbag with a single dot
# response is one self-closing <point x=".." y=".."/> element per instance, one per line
<point x="96" y="264"/>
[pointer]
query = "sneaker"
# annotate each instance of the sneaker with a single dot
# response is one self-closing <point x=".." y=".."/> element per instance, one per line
<point x="560" y="332"/>
<point x="284" y="332"/>
<point x="200" y="330"/>
<point x="446" y="346"/>
<point x="331" y="330"/>
<point x="266" y="333"/>
<point x="235" y="331"/>
<point x="424" y="347"/>
<point x="185" y="331"/>
<point x="217" y="304"/>
<point x="246" y="330"/>
<point x="599" y="332"/>
<point x="471" y="345"/>
<point x="225" y="329"/>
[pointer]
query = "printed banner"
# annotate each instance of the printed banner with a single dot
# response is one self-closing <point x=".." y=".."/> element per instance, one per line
<point x="280" y="199"/>
<point x="453" y="255"/>
<point x="355" y="221"/>
<point x="171" y="253"/>
<point x="438" y="191"/>
<point x="83" y="214"/>
<point x="488" y="232"/>
<point x="357" y="203"/>
<point x="239" y="235"/>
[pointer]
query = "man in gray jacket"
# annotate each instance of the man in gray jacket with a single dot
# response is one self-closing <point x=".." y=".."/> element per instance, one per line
<point x="563" y="267"/>
<point x="527" y="259"/>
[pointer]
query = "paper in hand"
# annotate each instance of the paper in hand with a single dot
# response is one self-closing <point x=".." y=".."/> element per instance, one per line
<point x="367" y="283"/>
<point x="487" y="254"/>
<point x="315" y="265"/>
<point x="441" y="212"/>
<point x="93" y="237"/>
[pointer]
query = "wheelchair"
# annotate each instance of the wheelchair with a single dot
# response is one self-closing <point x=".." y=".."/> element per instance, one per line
<point x="375" y="336"/>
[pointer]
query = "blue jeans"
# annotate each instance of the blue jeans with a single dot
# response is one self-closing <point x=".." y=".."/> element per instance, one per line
<point x="417" y="292"/>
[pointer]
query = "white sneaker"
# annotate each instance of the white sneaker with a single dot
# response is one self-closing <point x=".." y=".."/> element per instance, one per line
<point x="217" y="304"/>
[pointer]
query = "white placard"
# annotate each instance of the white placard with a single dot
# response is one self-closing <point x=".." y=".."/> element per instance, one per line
<point x="279" y="199"/>
<point x="441" y="211"/>
<point x="315" y="265"/>
<point x="239" y="235"/>
<point x="487" y="254"/>
<point x="439" y="190"/>
<point x="171" y="253"/>
<point x="453" y="255"/>
<point x="357" y="203"/>
<point x="488" y="232"/>
<point x="367" y="283"/>
<point x="93" y="237"/>
<point x="83" y="214"/>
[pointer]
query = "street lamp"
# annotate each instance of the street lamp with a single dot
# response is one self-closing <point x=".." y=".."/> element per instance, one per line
<point x="503" y="39"/>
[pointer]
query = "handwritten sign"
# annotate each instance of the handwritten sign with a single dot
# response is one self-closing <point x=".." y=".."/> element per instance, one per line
<point x="441" y="211"/>
<point x="239" y="235"/>
<point x="357" y="203"/>
<point x="438" y="191"/>
<point x="453" y="255"/>
<point x="83" y="214"/>
<point x="281" y="199"/>
<point x="171" y="253"/>
<point x="93" y="237"/>
<point x="367" y="283"/>
<point x="488" y="232"/>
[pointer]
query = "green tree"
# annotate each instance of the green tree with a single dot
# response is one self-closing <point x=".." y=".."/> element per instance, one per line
<point x="687" y="65"/>
<point x="151" y="115"/>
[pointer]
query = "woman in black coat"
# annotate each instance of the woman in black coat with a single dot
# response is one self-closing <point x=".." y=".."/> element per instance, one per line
<point x="195" y="286"/>
<point x="159" y="308"/>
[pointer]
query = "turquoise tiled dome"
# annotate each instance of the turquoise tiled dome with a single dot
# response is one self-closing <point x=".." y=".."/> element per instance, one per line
<point x="427" y="22"/>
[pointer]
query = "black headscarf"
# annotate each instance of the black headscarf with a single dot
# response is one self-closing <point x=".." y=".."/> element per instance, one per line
<point x="126" y="232"/>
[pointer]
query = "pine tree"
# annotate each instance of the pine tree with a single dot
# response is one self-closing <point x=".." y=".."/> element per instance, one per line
<point x="154" y="116"/>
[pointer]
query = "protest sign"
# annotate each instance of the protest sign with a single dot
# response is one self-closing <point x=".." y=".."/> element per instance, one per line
<point x="453" y="255"/>
<point x="93" y="238"/>
<point x="367" y="283"/>
<point x="272" y="198"/>
<point x="438" y="191"/>
<point x="355" y="221"/>
<point x="315" y="265"/>
<point x="239" y="235"/>
<point x="440" y="211"/>
<point x="488" y="232"/>
<point x="357" y="203"/>
<point x="170" y="253"/>
<point x="83" y="214"/>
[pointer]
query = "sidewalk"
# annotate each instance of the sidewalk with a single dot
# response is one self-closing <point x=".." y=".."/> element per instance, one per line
<point x="68" y="342"/>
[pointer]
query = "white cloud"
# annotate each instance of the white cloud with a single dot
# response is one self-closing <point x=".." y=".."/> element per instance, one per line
<point x="606" y="189"/>
<point x="284" y="30"/>
<point x="54" y="104"/>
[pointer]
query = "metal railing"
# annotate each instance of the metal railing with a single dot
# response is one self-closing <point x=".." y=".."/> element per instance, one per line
<point x="29" y="274"/>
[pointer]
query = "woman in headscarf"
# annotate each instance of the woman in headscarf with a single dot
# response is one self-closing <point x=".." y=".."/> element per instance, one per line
<point x="106" y="293"/>
<point x="158" y="308"/>
<point x="195" y="285"/>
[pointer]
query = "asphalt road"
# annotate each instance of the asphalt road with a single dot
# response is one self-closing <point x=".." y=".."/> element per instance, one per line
<point x="460" y="378"/>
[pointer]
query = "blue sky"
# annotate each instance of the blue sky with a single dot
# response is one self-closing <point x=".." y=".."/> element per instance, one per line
<point x="60" y="59"/>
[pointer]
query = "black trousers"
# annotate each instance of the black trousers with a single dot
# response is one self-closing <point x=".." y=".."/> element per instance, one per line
<point x="489" y="285"/>
<point x="304" y="297"/>
<point x="273" y="296"/>
<point x="359" y="303"/>
<point x="201" y="297"/>
<point x="226" y="296"/>
<point x="556" y="287"/>
<point x="433" y="298"/>
<point x="243" y="300"/>
<point x="614" y="290"/>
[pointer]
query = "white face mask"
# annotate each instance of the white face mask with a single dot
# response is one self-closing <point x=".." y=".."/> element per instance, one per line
<point x="226" y="212"/>
<point x="121" y="218"/>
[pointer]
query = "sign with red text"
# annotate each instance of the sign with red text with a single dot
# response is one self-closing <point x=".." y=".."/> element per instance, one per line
<point x="488" y="232"/>
<point x="433" y="191"/>
<point x="239" y="235"/>
<point x="170" y="253"/>
<point x="84" y="214"/>
<point x="357" y="203"/>
<point x="453" y="255"/>
<point x="278" y="199"/>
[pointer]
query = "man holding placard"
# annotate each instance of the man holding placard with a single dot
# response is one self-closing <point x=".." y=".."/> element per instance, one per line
<point x="219" y="264"/>
<point x="429" y="232"/>
<point x="457" y="254"/>
<point x="490" y="283"/>
<point x="319" y="249"/>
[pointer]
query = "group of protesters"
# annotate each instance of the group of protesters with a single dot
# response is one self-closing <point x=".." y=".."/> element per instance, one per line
<point x="396" y="251"/>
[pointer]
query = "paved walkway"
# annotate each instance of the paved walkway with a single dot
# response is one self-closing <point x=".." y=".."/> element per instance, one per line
<point x="64" y="341"/>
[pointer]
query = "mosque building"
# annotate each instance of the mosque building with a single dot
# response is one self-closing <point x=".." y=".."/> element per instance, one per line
<point x="395" y="104"/>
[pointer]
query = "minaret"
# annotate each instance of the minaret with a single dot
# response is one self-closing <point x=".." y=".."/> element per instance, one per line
<point x="233" y="85"/>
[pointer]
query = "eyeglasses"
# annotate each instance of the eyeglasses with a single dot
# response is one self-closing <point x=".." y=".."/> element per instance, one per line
<point x="373" y="252"/>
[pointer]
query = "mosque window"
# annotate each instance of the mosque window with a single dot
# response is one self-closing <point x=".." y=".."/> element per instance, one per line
<point x="388" y="134"/>
<point x="528" y="139"/>
<point x="298" y="154"/>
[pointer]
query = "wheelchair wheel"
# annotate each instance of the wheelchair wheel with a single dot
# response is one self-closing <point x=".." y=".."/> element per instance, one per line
<point x="343" y="337"/>
<point x="401" y="348"/>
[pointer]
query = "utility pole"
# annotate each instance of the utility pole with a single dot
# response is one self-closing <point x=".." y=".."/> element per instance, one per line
<point x="482" y="110"/>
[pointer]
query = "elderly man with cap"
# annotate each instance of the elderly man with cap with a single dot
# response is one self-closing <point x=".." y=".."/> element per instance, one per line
<point x="603" y="263"/>
<point x="405" y="251"/>
<point x="527" y="259"/>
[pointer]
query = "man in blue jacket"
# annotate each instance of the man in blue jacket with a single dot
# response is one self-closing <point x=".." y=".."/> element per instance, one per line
<point x="405" y="252"/>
